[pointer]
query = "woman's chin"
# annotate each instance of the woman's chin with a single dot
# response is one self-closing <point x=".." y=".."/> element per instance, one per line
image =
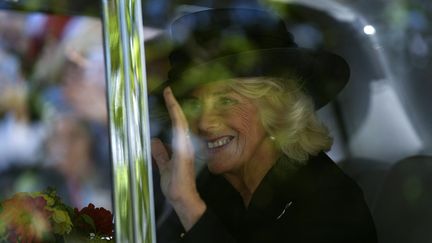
<point x="216" y="167"/>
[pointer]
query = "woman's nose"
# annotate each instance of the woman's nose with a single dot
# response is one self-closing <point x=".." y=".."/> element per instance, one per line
<point x="209" y="120"/>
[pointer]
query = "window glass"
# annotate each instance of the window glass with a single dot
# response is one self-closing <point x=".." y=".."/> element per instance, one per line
<point x="380" y="122"/>
<point x="54" y="132"/>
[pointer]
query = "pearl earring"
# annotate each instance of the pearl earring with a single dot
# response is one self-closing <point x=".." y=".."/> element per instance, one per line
<point x="272" y="138"/>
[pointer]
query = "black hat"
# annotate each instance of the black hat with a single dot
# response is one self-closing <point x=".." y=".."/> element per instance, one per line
<point x="220" y="44"/>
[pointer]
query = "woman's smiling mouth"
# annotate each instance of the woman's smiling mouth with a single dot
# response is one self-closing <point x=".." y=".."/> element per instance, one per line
<point x="219" y="142"/>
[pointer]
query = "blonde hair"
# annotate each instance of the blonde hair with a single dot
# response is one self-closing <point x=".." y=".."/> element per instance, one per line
<point x="287" y="114"/>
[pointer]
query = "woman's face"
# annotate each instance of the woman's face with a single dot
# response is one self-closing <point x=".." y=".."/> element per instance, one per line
<point x="229" y="127"/>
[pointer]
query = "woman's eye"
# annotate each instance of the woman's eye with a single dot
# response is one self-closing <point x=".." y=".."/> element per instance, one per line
<point x="227" y="101"/>
<point x="191" y="107"/>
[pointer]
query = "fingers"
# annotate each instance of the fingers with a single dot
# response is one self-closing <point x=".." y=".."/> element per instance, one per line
<point x="159" y="153"/>
<point x="176" y="114"/>
<point x="181" y="140"/>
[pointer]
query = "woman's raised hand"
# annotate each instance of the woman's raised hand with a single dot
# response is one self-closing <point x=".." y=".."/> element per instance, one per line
<point x="177" y="170"/>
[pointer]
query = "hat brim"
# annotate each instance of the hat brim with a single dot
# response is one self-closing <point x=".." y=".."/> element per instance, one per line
<point x="322" y="74"/>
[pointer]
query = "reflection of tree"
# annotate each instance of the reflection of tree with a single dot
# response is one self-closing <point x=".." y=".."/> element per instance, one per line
<point x="128" y="114"/>
<point x="118" y="127"/>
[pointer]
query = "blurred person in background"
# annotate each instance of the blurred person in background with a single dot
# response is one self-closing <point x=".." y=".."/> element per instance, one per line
<point x="22" y="128"/>
<point x="70" y="150"/>
<point x="66" y="91"/>
<point x="74" y="81"/>
<point x="73" y="72"/>
<point x="13" y="33"/>
<point x="21" y="131"/>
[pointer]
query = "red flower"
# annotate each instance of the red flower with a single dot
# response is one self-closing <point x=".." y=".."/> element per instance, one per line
<point x="102" y="219"/>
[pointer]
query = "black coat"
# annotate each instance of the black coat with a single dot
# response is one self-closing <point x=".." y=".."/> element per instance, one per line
<point x="316" y="202"/>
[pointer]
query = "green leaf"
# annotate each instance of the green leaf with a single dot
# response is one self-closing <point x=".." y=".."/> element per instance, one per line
<point x="88" y="220"/>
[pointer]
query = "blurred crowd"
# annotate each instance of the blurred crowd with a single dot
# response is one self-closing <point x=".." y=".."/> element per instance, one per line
<point x="53" y="113"/>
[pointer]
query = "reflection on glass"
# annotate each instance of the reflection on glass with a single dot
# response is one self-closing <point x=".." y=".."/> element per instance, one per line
<point x="115" y="85"/>
<point x="128" y="121"/>
<point x="369" y="30"/>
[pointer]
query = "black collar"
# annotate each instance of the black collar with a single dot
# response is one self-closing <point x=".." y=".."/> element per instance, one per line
<point x="275" y="193"/>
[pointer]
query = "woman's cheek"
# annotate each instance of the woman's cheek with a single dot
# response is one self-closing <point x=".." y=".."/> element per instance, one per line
<point x="241" y="118"/>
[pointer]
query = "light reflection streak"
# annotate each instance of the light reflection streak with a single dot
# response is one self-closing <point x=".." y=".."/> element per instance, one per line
<point x="128" y="117"/>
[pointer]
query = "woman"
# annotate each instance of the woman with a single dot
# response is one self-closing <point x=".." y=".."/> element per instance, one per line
<point x="246" y="99"/>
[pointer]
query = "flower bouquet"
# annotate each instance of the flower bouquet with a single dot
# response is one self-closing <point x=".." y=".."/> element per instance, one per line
<point x="43" y="217"/>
